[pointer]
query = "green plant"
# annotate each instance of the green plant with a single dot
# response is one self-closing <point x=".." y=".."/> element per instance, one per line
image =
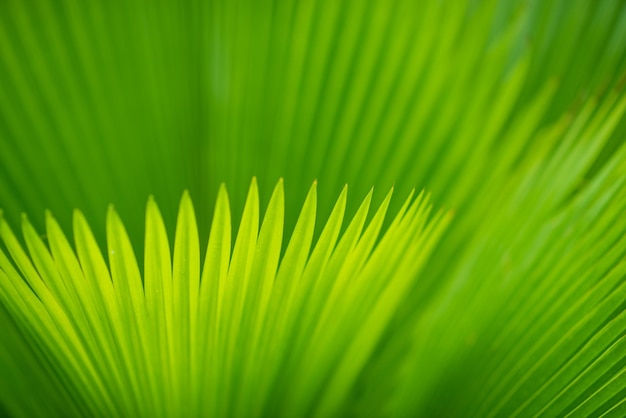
<point x="509" y="303"/>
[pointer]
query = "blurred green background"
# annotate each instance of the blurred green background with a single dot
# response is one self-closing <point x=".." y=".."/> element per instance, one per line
<point x="110" y="101"/>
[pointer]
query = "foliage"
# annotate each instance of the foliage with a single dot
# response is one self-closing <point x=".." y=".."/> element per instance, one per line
<point x="510" y="112"/>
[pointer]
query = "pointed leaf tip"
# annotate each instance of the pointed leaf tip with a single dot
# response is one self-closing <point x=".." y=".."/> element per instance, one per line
<point x="185" y="201"/>
<point x="222" y="193"/>
<point x="49" y="217"/>
<point x="151" y="205"/>
<point x="279" y="188"/>
<point x="253" y="192"/>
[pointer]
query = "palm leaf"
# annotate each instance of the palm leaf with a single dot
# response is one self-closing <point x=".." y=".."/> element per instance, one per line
<point x="510" y="112"/>
<point x="107" y="330"/>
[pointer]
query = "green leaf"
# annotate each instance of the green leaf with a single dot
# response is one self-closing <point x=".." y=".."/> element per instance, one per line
<point x="511" y="112"/>
<point x="132" y="338"/>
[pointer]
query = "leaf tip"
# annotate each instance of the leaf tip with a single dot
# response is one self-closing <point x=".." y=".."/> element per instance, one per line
<point x="253" y="192"/>
<point x="151" y="204"/>
<point x="77" y="216"/>
<point x="280" y="184"/>
<point x="112" y="216"/>
<point x="49" y="218"/>
<point x="313" y="190"/>
<point x="185" y="200"/>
